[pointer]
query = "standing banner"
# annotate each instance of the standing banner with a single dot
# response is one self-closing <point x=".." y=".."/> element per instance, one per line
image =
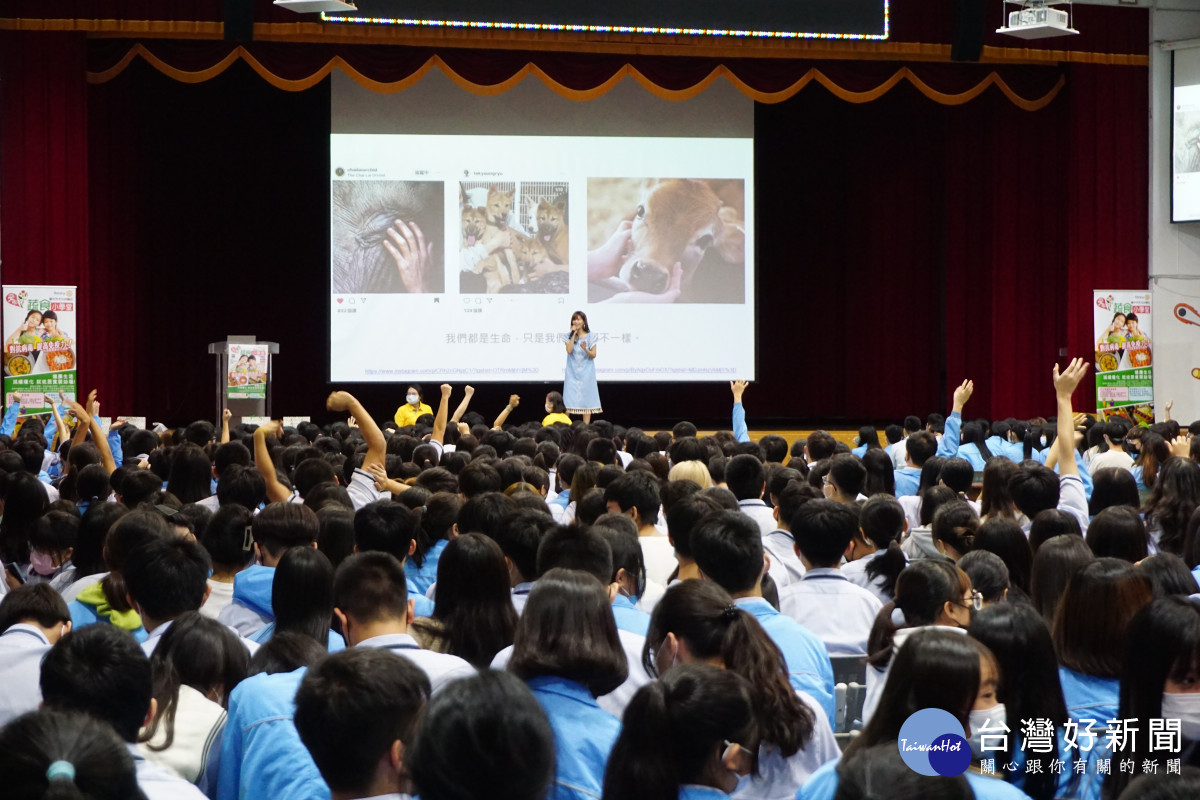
<point x="247" y="372"/>
<point x="1124" y="356"/>
<point x="39" y="346"/>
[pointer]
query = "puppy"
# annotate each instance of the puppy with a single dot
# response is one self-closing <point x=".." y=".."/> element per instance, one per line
<point x="474" y="222"/>
<point x="552" y="228"/>
<point x="499" y="207"/>
<point x="532" y="254"/>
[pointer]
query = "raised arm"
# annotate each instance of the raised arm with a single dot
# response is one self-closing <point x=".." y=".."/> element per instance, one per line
<point x="225" y="415"/>
<point x="88" y="422"/>
<point x="462" y="407"/>
<point x="740" y="431"/>
<point x="1065" y="384"/>
<point x="439" y="421"/>
<point x="376" y="443"/>
<point x="948" y="447"/>
<point x="513" y="402"/>
<point x="60" y="430"/>
<point x="276" y="491"/>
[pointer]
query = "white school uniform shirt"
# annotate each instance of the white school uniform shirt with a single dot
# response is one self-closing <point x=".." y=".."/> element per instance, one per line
<point x="220" y="595"/>
<point x="838" y="612"/>
<point x="22" y="648"/>
<point x="659" y="557"/>
<point x="761" y="513"/>
<point x="780" y="778"/>
<point x="155" y="636"/>
<point x="442" y="668"/>
<point x="158" y="782"/>
<point x="520" y="595"/>
<point x="877" y="678"/>
<point x="72" y="591"/>
<point x="898" y="451"/>
<point x="211" y="503"/>
<point x="912" y="510"/>
<point x="1112" y="458"/>
<point x="615" y="701"/>
<point x="856" y="573"/>
<point x="196" y="747"/>
<point x="786" y="568"/>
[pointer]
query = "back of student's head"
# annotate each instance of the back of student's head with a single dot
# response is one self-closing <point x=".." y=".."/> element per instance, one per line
<point x="575" y="547"/>
<point x="745" y="477"/>
<point x="241" y="485"/>
<point x="567" y="631"/>
<point x="371" y="587"/>
<point x="484" y="512"/>
<point x="92" y="484"/>
<point x="519" y="535"/>
<point x="127" y="534"/>
<point x="637" y="490"/>
<point x="920" y="447"/>
<point x="683" y="517"/>
<point x="167" y="576"/>
<point x="386" y="526"/>
<point x="55" y="753"/>
<point x="988" y="574"/>
<point x="861" y="777"/>
<point x="621" y="534"/>
<point x="474" y="604"/>
<point x="1053" y="565"/>
<point x="352" y="707"/>
<point x="1114" y="486"/>
<point x="227" y="538"/>
<point x="281" y="526"/>
<point x="848" y="475"/>
<point x="302" y="593"/>
<point x="1034" y="488"/>
<point x="477" y="478"/>
<point x="672" y="728"/>
<point x="88" y="557"/>
<point x="138" y="486"/>
<point x="1093" y="616"/>
<point x="101" y="671"/>
<point x="492" y="722"/>
<point x="774" y="448"/>
<point x="958" y="474"/>
<point x="33" y="602"/>
<point x="932" y="499"/>
<point x="1118" y="532"/>
<point x="1051" y="523"/>
<point x="728" y="549"/>
<point x="1004" y="537"/>
<point x="286" y="651"/>
<point x="821" y="445"/>
<point x="1168" y="575"/>
<point x="791" y="497"/>
<point x="954" y="527"/>
<point x="823" y="530"/>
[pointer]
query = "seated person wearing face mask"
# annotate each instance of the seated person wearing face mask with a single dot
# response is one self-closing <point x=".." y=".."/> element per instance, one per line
<point x="413" y="408"/>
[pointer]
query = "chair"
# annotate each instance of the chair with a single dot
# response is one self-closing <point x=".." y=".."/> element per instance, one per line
<point x="848" y="699"/>
<point x="849" y="669"/>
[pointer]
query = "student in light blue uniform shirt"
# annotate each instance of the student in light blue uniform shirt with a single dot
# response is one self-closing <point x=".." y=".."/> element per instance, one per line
<point x="390" y="527"/>
<point x="934" y="668"/>
<point x="302" y="599"/>
<point x="1090" y="628"/>
<point x="699" y="720"/>
<point x="629" y="573"/>
<point x="32" y="619"/>
<point x="974" y="446"/>
<point x="908" y="479"/>
<point x="728" y="550"/>
<point x="566" y="681"/>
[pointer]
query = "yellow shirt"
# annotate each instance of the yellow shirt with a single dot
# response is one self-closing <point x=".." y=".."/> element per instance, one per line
<point x="552" y="419"/>
<point x="407" y="415"/>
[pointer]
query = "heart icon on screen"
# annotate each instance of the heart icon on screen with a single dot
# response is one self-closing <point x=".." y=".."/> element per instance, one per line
<point x="339" y="301"/>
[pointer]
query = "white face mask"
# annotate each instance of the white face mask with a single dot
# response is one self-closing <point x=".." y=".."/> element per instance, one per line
<point x="412" y="399"/>
<point x="1185" y="707"/>
<point x="993" y="719"/>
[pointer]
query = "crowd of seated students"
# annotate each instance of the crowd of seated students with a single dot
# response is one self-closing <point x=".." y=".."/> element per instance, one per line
<point x="457" y="609"/>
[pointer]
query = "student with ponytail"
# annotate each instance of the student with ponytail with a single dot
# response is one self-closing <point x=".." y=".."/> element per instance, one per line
<point x="929" y="593"/>
<point x="690" y="736"/>
<point x="58" y="754"/>
<point x="875" y="559"/>
<point x="954" y="527"/>
<point x="697" y="622"/>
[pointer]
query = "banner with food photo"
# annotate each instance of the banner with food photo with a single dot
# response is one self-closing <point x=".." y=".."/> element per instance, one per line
<point x="1124" y="355"/>
<point x="247" y="377"/>
<point x="39" y="346"/>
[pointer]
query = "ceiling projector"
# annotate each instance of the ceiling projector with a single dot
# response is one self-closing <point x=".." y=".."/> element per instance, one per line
<point x="1035" y="19"/>
<point x="313" y="6"/>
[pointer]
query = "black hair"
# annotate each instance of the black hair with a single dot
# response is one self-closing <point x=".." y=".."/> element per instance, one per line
<point x="1093" y="617"/>
<point x="477" y="478"/>
<point x="1053" y="566"/>
<point x="671" y="729"/>
<point x="281" y="526"/>
<point x="197" y="652"/>
<point x="881" y="521"/>
<point x="683" y="517"/>
<point x="286" y="651"/>
<point x="848" y="475"/>
<point x="137" y="487"/>
<point x="922" y="590"/>
<point x="302" y="594"/>
<point x="821" y="445"/>
<point x="636" y="490"/>
<point x="958" y="474"/>
<point x="227" y="539"/>
<point x="703" y="615"/>
<point x="241" y="485"/>
<point x="861" y="778"/>
<point x="474" y="605"/>
<point x="386" y="526"/>
<point x="493" y="722"/>
<point x="933" y="499"/>
<point x="25" y="501"/>
<point x="56" y="533"/>
<point x="954" y="525"/>
<point x="1034" y="488"/>
<point x="920" y="446"/>
<point x="352" y="707"/>
<point x="101" y="671"/>
<point x="1050" y="523"/>
<point x="191" y="474"/>
<point x="335" y="533"/>
<point x="88" y="557"/>
<point x="575" y="547"/>
<point x="102" y="767"/>
<point x="128" y="533"/>
<point x="483" y="513"/>
<point x="371" y="587"/>
<point x="567" y="630"/>
<point x="973" y="433"/>
<point x="994" y="498"/>
<point x="33" y="601"/>
<point x="728" y="549"/>
<point x="167" y="576"/>
<point x="881" y="474"/>
<point x="519" y="535"/>
<point x="1113" y="487"/>
<point x="1004" y="537"/>
<point x="1173" y="499"/>
<point x="1118" y="531"/>
<point x="774" y="448"/>
<point x="988" y="574"/>
<point x="745" y="477"/>
<point x="1168" y="575"/>
<point x="822" y="530"/>
<point x="792" y="497"/>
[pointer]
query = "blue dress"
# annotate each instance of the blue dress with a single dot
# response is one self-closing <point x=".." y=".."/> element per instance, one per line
<point x="580" y="394"/>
